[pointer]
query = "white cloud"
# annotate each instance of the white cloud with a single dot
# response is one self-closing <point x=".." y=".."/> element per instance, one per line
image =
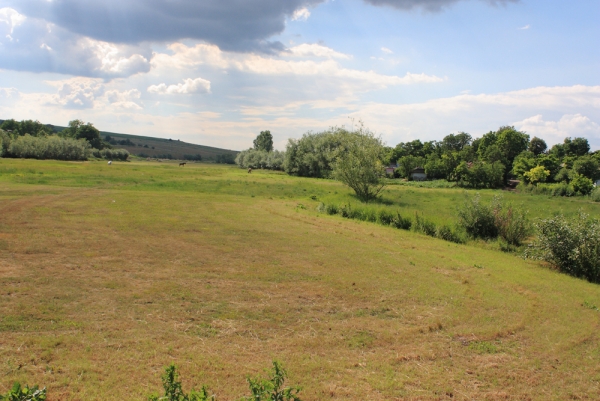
<point x="555" y="131"/>
<point x="386" y="50"/>
<point x="523" y="28"/>
<point x="76" y="93"/>
<point x="202" y="54"/>
<point x="316" y="50"/>
<point x="189" y="86"/>
<point x="125" y="100"/>
<point x="12" y="18"/>
<point x="301" y="14"/>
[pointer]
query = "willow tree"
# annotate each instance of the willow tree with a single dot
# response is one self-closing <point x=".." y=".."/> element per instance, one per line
<point x="358" y="164"/>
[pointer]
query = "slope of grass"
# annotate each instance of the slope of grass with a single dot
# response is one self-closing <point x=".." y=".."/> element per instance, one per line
<point x="107" y="274"/>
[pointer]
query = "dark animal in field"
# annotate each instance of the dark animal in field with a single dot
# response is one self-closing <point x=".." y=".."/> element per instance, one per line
<point x="182" y="164"/>
<point x="249" y="170"/>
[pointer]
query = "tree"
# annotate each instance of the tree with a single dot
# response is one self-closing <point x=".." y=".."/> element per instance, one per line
<point x="537" y="146"/>
<point x="536" y="174"/>
<point x="358" y="164"/>
<point x="264" y="141"/>
<point x="587" y="166"/>
<point x="456" y="142"/>
<point x="90" y="134"/>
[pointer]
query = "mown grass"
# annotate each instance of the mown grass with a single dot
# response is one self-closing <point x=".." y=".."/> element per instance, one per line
<point x="108" y="274"/>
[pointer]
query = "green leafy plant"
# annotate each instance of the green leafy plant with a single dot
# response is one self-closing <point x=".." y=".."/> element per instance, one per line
<point x="271" y="389"/>
<point x="477" y="219"/>
<point x="18" y="393"/>
<point x="174" y="392"/>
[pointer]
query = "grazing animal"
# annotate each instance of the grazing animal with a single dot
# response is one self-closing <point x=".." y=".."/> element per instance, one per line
<point x="182" y="164"/>
<point x="109" y="162"/>
<point x="249" y="170"/>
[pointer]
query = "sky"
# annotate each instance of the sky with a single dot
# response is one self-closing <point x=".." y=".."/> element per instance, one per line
<point x="218" y="72"/>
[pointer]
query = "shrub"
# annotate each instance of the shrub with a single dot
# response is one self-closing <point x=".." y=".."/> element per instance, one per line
<point x="424" y="226"/>
<point x="477" y="219"/>
<point x="331" y="209"/>
<point x="447" y="234"/>
<point x="563" y="189"/>
<point x="18" y="393"/>
<point x="51" y="147"/>
<point x="512" y="223"/>
<point x="596" y="194"/>
<point x="573" y="246"/>
<point x="114" y="154"/>
<point x="582" y="185"/>
<point x="400" y="222"/>
<point x="385" y="217"/>
<point x="271" y="389"/>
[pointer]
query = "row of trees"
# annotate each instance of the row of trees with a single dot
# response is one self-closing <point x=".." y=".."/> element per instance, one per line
<point x="490" y="161"/>
<point x="32" y="139"/>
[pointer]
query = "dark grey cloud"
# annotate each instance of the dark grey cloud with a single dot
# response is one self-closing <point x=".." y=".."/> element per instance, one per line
<point x="429" y="5"/>
<point x="237" y="25"/>
<point x="31" y="44"/>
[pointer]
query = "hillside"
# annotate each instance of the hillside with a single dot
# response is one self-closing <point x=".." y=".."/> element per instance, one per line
<point x="164" y="148"/>
<point x="110" y="273"/>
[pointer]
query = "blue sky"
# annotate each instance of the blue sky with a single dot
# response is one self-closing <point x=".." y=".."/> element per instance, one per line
<point x="219" y="72"/>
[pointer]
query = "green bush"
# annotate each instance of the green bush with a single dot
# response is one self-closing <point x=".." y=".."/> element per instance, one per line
<point x="582" y="185"/>
<point x="400" y="222"/>
<point x="51" y="147"/>
<point x="385" y="217"/>
<point x="18" y="393"/>
<point x="477" y="219"/>
<point x="447" y="234"/>
<point x="512" y="222"/>
<point x="331" y="209"/>
<point x="573" y="246"/>
<point x="595" y="195"/>
<point x="424" y="226"/>
<point x="114" y="154"/>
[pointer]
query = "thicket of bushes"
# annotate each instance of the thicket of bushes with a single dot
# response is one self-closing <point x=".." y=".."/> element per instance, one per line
<point x="254" y="158"/>
<point x="572" y="245"/>
<point x="51" y="147"/>
<point x="111" y="154"/>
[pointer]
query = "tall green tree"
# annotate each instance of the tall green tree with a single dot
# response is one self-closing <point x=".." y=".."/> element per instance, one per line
<point x="537" y="146"/>
<point x="264" y="141"/>
<point x="359" y="164"/>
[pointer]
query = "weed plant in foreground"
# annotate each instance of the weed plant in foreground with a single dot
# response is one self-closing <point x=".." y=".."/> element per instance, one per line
<point x="110" y="273"/>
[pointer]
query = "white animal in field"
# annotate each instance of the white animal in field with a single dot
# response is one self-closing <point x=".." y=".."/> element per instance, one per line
<point x="109" y="162"/>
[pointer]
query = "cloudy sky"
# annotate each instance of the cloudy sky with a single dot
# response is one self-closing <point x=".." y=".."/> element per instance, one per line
<point x="218" y="72"/>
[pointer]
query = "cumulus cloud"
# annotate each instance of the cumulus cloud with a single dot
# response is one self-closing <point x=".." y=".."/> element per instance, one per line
<point x="386" y="50"/>
<point x="31" y="44"/>
<point x="230" y="24"/>
<point x="76" y="93"/>
<point x="126" y="100"/>
<point x="189" y="86"/>
<point x="568" y="125"/>
<point x="429" y="5"/>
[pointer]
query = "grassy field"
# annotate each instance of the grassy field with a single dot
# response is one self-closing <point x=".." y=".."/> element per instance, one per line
<point x="110" y="273"/>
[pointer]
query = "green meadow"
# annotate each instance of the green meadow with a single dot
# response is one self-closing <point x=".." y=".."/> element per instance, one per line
<point x="110" y="273"/>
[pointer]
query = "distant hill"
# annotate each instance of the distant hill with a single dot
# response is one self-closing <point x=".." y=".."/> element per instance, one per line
<point x="145" y="146"/>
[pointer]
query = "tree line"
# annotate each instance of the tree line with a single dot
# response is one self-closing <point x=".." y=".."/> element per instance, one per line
<point x="32" y="139"/>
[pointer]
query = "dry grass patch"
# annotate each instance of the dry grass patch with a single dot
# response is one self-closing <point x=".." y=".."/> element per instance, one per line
<point x="220" y="284"/>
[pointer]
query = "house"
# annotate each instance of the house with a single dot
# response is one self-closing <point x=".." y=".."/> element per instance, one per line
<point x="418" y="174"/>
<point x="391" y="168"/>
